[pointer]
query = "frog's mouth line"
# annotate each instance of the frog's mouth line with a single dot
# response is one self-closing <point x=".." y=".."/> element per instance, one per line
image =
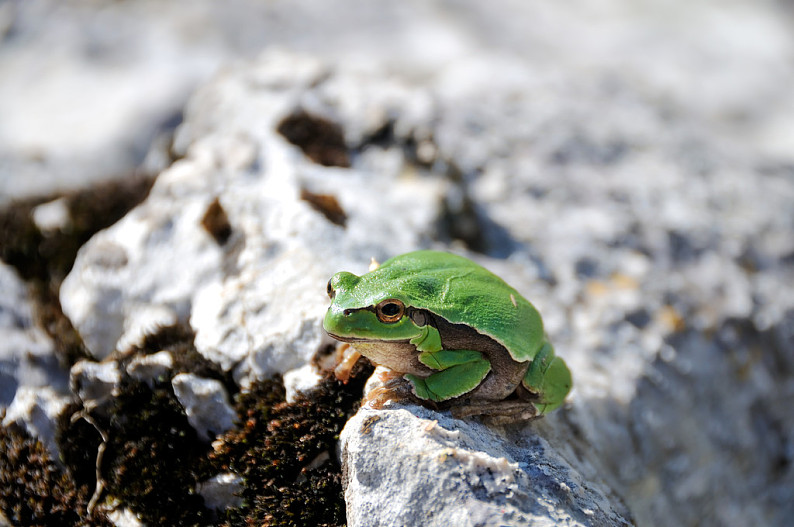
<point x="359" y="339"/>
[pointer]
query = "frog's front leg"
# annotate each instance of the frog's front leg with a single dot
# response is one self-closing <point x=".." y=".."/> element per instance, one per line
<point x="461" y="371"/>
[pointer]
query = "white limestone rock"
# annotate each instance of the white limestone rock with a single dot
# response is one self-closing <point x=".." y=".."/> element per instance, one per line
<point x="96" y="383"/>
<point x="300" y="380"/>
<point x="36" y="410"/>
<point x="255" y="300"/>
<point x="206" y="404"/>
<point x="34" y="387"/>
<point x="221" y="491"/>
<point x="413" y="466"/>
<point x="148" y="368"/>
<point x="140" y="273"/>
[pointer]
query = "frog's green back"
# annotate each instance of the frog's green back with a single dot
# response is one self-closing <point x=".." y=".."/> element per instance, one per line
<point x="464" y="292"/>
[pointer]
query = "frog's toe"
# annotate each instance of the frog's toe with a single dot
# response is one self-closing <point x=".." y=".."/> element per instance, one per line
<point x="378" y="398"/>
<point x="394" y="388"/>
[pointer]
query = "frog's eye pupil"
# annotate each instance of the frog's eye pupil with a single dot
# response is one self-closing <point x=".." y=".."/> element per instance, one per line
<point x="390" y="311"/>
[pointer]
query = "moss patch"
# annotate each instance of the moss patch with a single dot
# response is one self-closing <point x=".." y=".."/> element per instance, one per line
<point x="48" y="257"/>
<point x="153" y="459"/>
<point x="320" y="139"/>
<point x="285" y="452"/>
<point x="33" y="489"/>
<point x="179" y="341"/>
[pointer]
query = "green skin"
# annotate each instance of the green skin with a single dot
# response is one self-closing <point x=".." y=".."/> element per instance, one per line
<point x="414" y="312"/>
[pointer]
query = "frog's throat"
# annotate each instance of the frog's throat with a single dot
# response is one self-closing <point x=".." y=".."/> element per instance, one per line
<point x="398" y="355"/>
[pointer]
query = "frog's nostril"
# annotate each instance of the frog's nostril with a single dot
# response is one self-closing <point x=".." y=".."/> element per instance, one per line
<point x="347" y="312"/>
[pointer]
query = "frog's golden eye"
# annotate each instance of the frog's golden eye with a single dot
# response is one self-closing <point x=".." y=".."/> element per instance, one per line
<point x="330" y="290"/>
<point x="390" y="310"/>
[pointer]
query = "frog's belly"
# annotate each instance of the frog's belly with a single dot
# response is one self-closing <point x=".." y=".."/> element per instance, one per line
<point x="400" y="356"/>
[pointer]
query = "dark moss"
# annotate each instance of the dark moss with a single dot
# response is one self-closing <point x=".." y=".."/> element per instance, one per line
<point x="327" y="205"/>
<point x="321" y="140"/>
<point x="153" y="458"/>
<point x="20" y="240"/>
<point x="48" y="257"/>
<point x="216" y="222"/>
<point x="179" y="340"/>
<point x="78" y="442"/>
<point x="33" y="489"/>
<point x="286" y="452"/>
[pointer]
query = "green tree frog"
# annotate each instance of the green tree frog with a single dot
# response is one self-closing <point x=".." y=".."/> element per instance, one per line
<point x="460" y="335"/>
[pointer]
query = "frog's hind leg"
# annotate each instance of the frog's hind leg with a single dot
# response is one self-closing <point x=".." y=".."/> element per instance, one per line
<point x="498" y="412"/>
<point x="548" y="378"/>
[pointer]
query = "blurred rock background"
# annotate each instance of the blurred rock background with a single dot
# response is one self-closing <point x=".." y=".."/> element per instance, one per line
<point x="629" y="166"/>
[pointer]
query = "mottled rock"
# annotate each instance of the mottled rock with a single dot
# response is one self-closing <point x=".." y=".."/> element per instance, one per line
<point x="149" y="368"/>
<point x="33" y="384"/>
<point x="96" y="383"/>
<point x="36" y="409"/>
<point x="206" y="404"/>
<point x="413" y="466"/>
<point x="221" y="491"/>
<point x="300" y="380"/>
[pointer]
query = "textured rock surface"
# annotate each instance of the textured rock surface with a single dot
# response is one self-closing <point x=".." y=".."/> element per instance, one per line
<point x="27" y="355"/>
<point x="629" y="169"/>
<point x="655" y="294"/>
<point x="33" y="385"/>
<point x="431" y="469"/>
<point x="252" y="297"/>
<point x="206" y="404"/>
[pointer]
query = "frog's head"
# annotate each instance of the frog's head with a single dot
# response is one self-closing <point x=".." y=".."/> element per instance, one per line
<point x="365" y="309"/>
